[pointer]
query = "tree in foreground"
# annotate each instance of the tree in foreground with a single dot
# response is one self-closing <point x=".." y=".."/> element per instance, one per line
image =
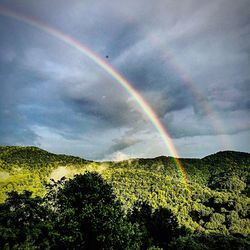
<point x="90" y="217"/>
<point x="159" y="227"/>
<point x="25" y="222"/>
<point x="81" y="213"/>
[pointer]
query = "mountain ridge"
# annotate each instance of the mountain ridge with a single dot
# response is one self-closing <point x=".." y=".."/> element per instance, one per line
<point x="223" y="152"/>
<point x="216" y="199"/>
<point x="201" y="170"/>
<point x="208" y="171"/>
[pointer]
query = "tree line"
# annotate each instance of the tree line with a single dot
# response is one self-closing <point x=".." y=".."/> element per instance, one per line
<point x="84" y="213"/>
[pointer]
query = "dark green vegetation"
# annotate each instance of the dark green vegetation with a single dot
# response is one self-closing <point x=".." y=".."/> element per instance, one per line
<point x="77" y="214"/>
<point x="150" y="206"/>
<point x="83" y="213"/>
<point x="33" y="158"/>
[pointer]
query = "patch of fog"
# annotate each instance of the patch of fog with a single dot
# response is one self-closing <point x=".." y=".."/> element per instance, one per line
<point x="70" y="171"/>
<point x="61" y="171"/>
<point x="95" y="167"/>
<point x="4" y="175"/>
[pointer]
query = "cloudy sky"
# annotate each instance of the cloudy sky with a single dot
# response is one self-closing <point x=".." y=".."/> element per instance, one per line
<point x="188" y="59"/>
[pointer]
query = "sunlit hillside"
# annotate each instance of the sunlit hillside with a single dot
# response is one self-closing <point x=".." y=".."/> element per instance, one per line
<point x="216" y="199"/>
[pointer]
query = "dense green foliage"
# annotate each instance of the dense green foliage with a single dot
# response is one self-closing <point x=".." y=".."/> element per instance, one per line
<point x="25" y="222"/>
<point x="28" y="168"/>
<point x="197" y="207"/>
<point x="84" y="213"/>
<point x="214" y="202"/>
<point x="210" y="242"/>
<point x="208" y="171"/>
<point x="33" y="158"/>
<point x="81" y="213"/>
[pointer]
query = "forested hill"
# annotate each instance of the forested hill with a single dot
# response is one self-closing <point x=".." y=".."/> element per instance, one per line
<point x="207" y="171"/>
<point x="33" y="158"/>
<point x="215" y="201"/>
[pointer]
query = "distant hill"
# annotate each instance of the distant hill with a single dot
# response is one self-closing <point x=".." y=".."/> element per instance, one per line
<point x="33" y="158"/>
<point x="215" y="200"/>
<point x="203" y="171"/>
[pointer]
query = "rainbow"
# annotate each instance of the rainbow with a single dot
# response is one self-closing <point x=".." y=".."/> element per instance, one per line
<point x="215" y="122"/>
<point x="72" y="42"/>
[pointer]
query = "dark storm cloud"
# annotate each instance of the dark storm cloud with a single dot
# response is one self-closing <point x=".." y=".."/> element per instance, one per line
<point x="109" y="113"/>
<point x="233" y="99"/>
<point x="13" y="123"/>
<point x="122" y="143"/>
<point x="47" y="87"/>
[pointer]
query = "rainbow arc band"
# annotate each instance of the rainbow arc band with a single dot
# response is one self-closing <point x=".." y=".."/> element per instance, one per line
<point x="72" y="42"/>
<point x="197" y="92"/>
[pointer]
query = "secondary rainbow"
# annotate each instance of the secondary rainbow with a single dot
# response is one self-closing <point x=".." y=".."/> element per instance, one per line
<point x="111" y="71"/>
<point x="195" y="89"/>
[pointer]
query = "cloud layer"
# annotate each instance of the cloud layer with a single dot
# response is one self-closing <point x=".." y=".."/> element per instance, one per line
<point x="189" y="60"/>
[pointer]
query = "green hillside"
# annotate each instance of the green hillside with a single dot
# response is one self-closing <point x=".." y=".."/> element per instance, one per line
<point x="33" y="158"/>
<point x="207" y="171"/>
<point x="215" y="201"/>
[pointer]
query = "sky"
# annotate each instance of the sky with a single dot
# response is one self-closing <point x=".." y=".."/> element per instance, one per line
<point x="189" y="60"/>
